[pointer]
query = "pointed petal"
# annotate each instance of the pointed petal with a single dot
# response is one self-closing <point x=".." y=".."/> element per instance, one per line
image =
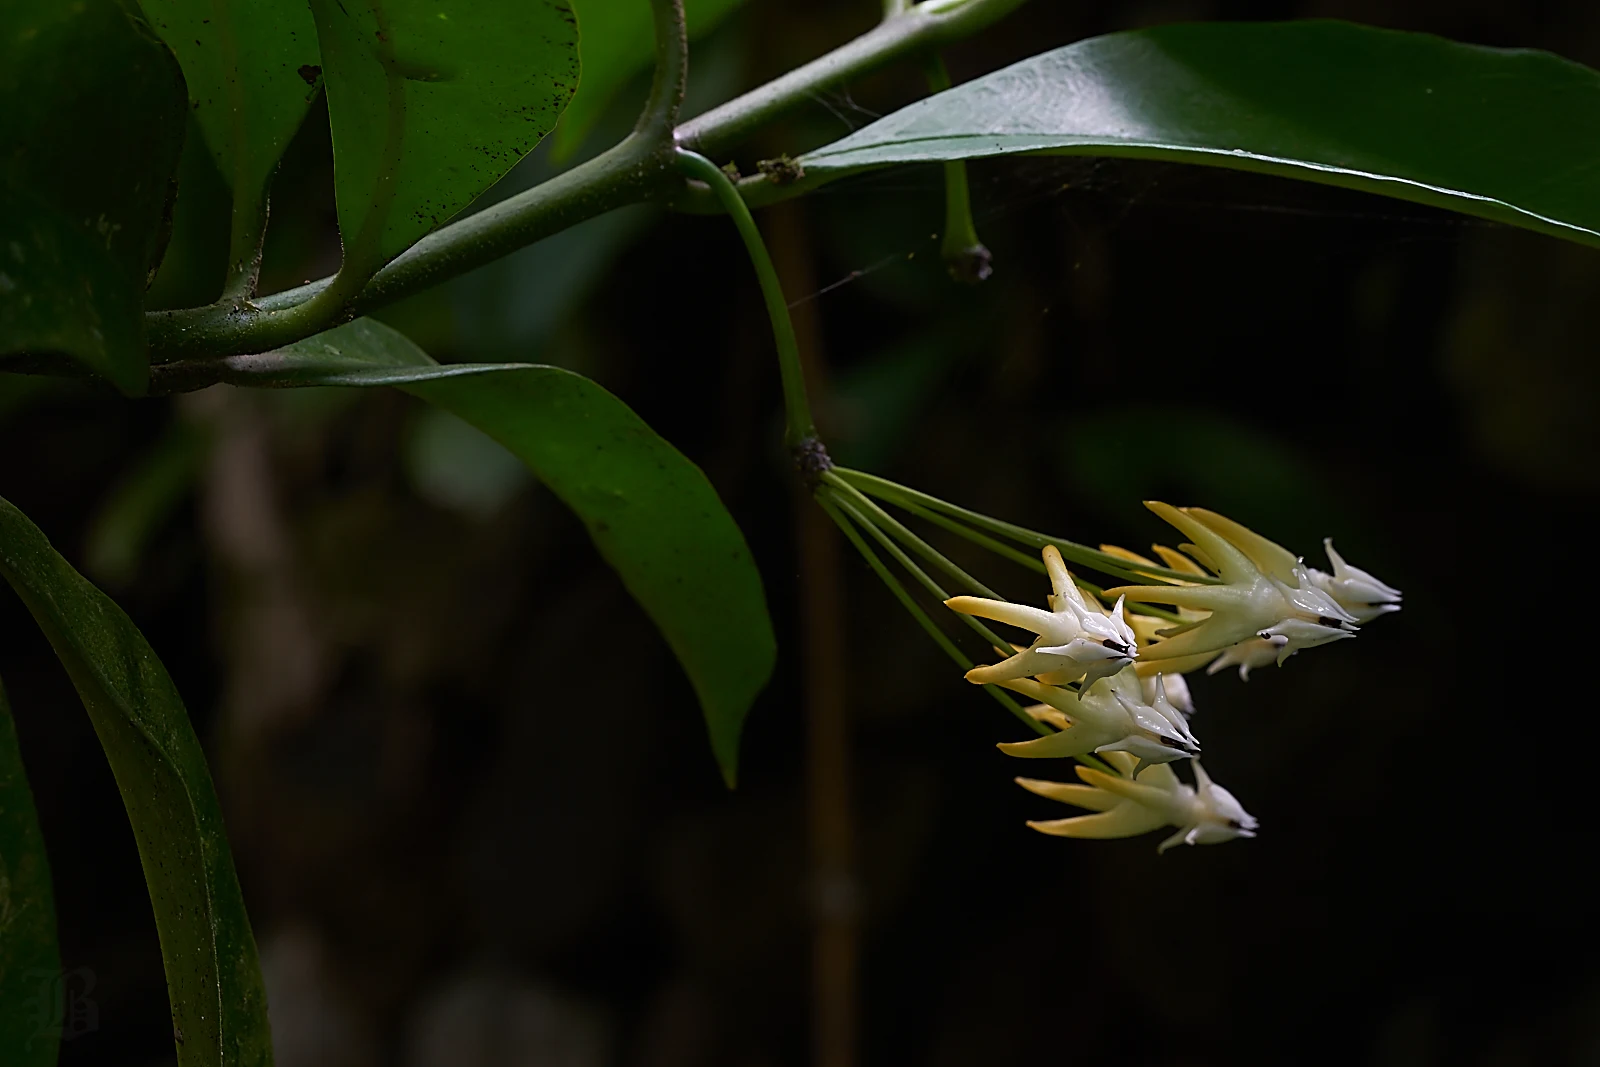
<point x="1199" y="556"/>
<point x="1046" y="714"/>
<point x="1127" y="820"/>
<point x="1082" y="796"/>
<point x="1177" y="561"/>
<point x="1058" y="745"/>
<point x="1271" y="557"/>
<point x="1162" y="777"/>
<point x="1122" y="761"/>
<point x="1025" y="664"/>
<point x="1020" y="615"/>
<point x="1214" y="636"/>
<point x="1141" y="793"/>
<point x="1232" y="565"/>
<point x="1208" y="597"/>
<point x="1180" y="628"/>
<point x="1123" y="553"/>
<point x="1063" y="700"/>
<point x="1056" y="568"/>
<point x="1179" y="665"/>
<point x="1176" y="839"/>
<point x="1072" y="597"/>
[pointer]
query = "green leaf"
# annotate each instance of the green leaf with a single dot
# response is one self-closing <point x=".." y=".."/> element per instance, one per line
<point x="253" y="69"/>
<point x="92" y="114"/>
<point x="651" y="512"/>
<point x="30" y="964"/>
<point x="61" y="294"/>
<point x="219" y="1009"/>
<point x="432" y="101"/>
<point x="91" y="124"/>
<point x="1508" y="135"/>
<point x="617" y="41"/>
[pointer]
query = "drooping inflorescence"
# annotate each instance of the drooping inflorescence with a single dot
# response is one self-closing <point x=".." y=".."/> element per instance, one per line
<point x="1111" y="681"/>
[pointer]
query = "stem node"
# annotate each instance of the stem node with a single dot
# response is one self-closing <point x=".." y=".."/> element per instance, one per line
<point x="811" y="459"/>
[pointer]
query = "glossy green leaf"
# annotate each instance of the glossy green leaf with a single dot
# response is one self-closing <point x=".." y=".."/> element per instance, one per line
<point x="651" y="512"/>
<point x="91" y="124"/>
<point x="617" y="42"/>
<point x="219" y="1010"/>
<point x="253" y="68"/>
<point x="1508" y="135"/>
<point x="30" y="963"/>
<point x="432" y="101"/>
<point x="63" y="296"/>
<point x="92" y="114"/>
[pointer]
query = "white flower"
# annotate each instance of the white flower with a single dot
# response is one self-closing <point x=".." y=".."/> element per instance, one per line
<point x="1125" y="806"/>
<point x="1104" y="718"/>
<point x="1356" y="591"/>
<point x="1266" y="593"/>
<point x="1248" y="655"/>
<point x="1075" y="640"/>
<point x="1169" y="687"/>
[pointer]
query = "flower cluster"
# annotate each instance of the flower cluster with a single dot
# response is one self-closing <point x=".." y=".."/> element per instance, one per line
<point x="1111" y="681"/>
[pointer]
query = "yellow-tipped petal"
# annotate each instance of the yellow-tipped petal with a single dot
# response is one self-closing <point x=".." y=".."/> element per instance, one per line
<point x="1042" y="694"/>
<point x="1056" y="568"/>
<point x="1270" y="556"/>
<point x="1059" y="678"/>
<point x="1127" y="820"/>
<point x="1019" y="615"/>
<point x="1045" y="713"/>
<point x="1123" y="553"/>
<point x="1139" y="792"/>
<point x="1198" y="557"/>
<point x="1052" y="746"/>
<point x="1231" y="564"/>
<point x="1122" y="761"/>
<point x="1146" y="667"/>
<point x="1145" y="627"/>
<point x="1177" y="560"/>
<point x="1204" y="597"/>
<point x="1081" y="796"/>
<point x="1204" y="640"/>
<point x="1160" y="775"/>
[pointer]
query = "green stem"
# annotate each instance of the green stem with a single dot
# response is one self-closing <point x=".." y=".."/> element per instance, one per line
<point x="660" y="112"/>
<point x="965" y="256"/>
<point x="996" y="642"/>
<point x="902" y="533"/>
<point x="247" y="231"/>
<point x="248" y="227"/>
<point x="622" y="175"/>
<point x="835" y="509"/>
<point x="640" y="168"/>
<point x="961" y="530"/>
<point x="1105" y="562"/>
<point x="925" y="26"/>
<point x="796" y="407"/>
<point x="1032" y="563"/>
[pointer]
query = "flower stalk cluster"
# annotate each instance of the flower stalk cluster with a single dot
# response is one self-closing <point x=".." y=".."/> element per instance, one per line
<point x="1104" y="670"/>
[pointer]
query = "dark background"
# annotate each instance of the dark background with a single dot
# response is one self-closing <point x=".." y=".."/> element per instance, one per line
<point x="466" y="838"/>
